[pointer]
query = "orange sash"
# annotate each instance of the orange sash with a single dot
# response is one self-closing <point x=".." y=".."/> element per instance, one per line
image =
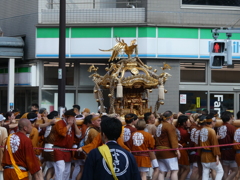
<point x="18" y="171"/>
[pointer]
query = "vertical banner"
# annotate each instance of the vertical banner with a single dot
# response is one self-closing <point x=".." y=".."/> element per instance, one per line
<point x="198" y="105"/>
<point x="183" y="99"/>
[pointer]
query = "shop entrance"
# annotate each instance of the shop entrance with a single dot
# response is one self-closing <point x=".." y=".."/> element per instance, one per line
<point x="194" y="101"/>
<point x="223" y="102"/>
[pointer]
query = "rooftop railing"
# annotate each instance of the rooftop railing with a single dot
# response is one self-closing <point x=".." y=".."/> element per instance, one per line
<point x="93" y="11"/>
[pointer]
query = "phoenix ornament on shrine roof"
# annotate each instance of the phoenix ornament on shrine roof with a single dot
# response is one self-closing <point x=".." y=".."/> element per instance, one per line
<point x="122" y="47"/>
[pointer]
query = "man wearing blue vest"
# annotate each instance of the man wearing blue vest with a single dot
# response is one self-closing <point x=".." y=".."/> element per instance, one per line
<point x="110" y="161"/>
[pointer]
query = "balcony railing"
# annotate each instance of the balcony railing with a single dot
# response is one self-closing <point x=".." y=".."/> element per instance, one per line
<point x="93" y="11"/>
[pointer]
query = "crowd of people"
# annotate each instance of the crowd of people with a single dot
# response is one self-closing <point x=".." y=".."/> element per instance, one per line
<point x="40" y="145"/>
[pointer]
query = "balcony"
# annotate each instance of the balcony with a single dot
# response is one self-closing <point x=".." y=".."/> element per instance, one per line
<point x="92" y="11"/>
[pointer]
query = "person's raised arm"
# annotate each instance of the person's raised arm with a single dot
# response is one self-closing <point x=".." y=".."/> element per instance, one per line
<point x="77" y="131"/>
<point x="47" y="123"/>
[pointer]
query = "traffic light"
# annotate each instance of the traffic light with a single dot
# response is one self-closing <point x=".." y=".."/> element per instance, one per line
<point x="220" y="54"/>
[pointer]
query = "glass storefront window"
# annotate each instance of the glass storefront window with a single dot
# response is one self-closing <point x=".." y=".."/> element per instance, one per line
<point x="86" y="99"/>
<point x="192" y="72"/>
<point x="192" y="101"/>
<point x="235" y="115"/>
<point x="228" y="74"/>
<point x="51" y="73"/>
<point x="23" y="98"/>
<point x="50" y="99"/>
<point x="222" y="102"/>
<point x="84" y="79"/>
<point x="212" y="2"/>
<point x="3" y="102"/>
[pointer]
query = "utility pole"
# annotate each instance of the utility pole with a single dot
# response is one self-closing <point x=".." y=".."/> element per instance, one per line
<point x="62" y="55"/>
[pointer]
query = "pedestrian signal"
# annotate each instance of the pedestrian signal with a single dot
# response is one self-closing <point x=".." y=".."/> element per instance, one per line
<point x="220" y="54"/>
<point x="218" y="47"/>
<point x="217" y="62"/>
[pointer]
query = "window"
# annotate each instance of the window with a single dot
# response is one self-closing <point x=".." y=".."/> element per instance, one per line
<point x="227" y="74"/>
<point x="192" y="72"/>
<point x="192" y="101"/>
<point x="51" y="73"/>
<point x="50" y="99"/>
<point x="24" y="97"/>
<point x="212" y="2"/>
<point x="84" y="79"/>
<point x="86" y="99"/>
<point x="3" y="102"/>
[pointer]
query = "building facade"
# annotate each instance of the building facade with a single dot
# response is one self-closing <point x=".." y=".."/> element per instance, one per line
<point x="177" y="32"/>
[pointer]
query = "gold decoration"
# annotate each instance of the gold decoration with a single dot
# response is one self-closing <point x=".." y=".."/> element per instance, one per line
<point x="166" y="66"/>
<point x="92" y="68"/>
<point x="132" y="64"/>
<point x="165" y="90"/>
<point x="134" y="71"/>
<point x="129" y="82"/>
<point x="161" y="75"/>
<point x="121" y="46"/>
<point x="137" y="85"/>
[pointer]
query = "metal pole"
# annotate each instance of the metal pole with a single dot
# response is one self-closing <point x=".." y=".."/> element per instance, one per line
<point x="62" y="52"/>
<point x="11" y="73"/>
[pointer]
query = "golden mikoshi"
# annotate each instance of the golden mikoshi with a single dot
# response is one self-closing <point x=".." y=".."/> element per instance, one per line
<point x="129" y="81"/>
